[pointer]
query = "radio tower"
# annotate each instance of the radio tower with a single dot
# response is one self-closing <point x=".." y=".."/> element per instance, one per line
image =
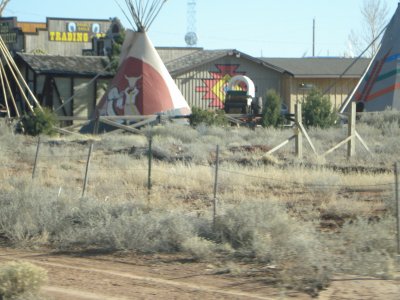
<point x="191" y="36"/>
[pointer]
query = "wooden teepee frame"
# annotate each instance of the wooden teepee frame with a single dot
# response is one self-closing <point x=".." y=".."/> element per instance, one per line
<point x="6" y="59"/>
<point x="143" y="13"/>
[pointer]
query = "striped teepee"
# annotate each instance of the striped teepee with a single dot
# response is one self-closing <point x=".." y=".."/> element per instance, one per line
<point x="380" y="87"/>
<point x="142" y="84"/>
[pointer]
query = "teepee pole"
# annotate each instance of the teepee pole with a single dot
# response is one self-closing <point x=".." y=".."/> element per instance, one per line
<point x="20" y="88"/>
<point x="9" y="89"/>
<point x="4" y="94"/>
<point x="346" y="101"/>
<point x="11" y="62"/>
<point x="19" y="85"/>
<point x="3" y="5"/>
<point x="155" y="13"/>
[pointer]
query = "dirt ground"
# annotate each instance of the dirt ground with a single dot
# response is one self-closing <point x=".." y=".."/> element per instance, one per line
<point x="128" y="276"/>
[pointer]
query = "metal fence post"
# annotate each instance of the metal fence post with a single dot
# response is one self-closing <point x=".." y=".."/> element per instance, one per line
<point x="215" y="186"/>
<point x="87" y="170"/>
<point x="36" y="159"/>
<point x="396" y="173"/>
<point x="150" y="159"/>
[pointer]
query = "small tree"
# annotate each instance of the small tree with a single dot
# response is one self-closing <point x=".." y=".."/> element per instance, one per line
<point x="39" y="122"/>
<point x="117" y="41"/>
<point x="317" y="110"/>
<point x="271" y="115"/>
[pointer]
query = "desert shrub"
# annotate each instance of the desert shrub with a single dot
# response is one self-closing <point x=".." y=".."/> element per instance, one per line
<point x="183" y="133"/>
<point x="265" y="231"/>
<point x="271" y="114"/>
<point x="199" y="248"/>
<point x="33" y="216"/>
<point x="20" y="279"/>
<point x="368" y="248"/>
<point x="318" y="111"/>
<point x="380" y="119"/>
<point x="29" y="214"/>
<point x="124" y="226"/>
<point x="41" y="121"/>
<point x="207" y="117"/>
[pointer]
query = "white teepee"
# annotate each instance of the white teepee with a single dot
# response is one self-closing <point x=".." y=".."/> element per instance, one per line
<point x="142" y="84"/>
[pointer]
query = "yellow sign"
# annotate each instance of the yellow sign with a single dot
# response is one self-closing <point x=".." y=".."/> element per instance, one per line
<point x="78" y="37"/>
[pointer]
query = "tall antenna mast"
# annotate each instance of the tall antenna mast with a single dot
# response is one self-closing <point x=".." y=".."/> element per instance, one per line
<point x="191" y="36"/>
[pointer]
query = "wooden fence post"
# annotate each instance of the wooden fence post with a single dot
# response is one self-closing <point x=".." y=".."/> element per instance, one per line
<point x="87" y="170"/>
<point x="96" y="125"/>
<point x="299" y="134"/>
<point x="36" y="159"/>
<point x="215" y="186"/>
<point x="351" y="145"/>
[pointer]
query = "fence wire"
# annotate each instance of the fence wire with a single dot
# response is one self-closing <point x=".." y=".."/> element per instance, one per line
<point x="98" y="170"/>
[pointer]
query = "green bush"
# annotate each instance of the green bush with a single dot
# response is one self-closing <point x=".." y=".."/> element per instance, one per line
<point x="318" y="111"/>
<point x="207" y="117"/>
<point x="271" y="115"/>
<point x="19" y="279"/>
<point x="115" y="52"/>
<point x="41" y="121"/>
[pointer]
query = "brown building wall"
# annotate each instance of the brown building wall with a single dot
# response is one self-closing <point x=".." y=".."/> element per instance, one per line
<point x="336" y="89"/>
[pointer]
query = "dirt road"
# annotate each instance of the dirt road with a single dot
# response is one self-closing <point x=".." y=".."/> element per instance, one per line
<point x="126" y="276"/>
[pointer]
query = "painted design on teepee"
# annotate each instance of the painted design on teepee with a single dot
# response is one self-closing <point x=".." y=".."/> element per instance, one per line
<point x="373" y="77"/>
<point x="121" y="99"/>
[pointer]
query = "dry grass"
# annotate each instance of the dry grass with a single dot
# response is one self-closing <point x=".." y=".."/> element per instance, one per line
<point x="304" y="217"/>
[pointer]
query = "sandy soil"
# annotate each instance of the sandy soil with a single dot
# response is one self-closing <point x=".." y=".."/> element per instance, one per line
<point x="126" y="276"/>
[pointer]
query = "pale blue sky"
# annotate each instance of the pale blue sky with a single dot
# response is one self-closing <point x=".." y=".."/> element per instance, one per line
<point x="273" y="28"/>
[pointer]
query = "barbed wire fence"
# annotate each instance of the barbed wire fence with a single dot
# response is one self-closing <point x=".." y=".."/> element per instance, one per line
<point x="211" y="186"/>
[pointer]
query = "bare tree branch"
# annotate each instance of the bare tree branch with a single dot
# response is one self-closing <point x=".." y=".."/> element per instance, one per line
<point x="375" y="17"/>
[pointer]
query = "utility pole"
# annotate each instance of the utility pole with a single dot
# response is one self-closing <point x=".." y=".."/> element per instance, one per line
<point x="313" y="39"/>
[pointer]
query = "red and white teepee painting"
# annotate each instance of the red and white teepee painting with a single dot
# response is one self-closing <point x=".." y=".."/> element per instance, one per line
<point x="380" y="87"/>
<point x="142" y="84"/>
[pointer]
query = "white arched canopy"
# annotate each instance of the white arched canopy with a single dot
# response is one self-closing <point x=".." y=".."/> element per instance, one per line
<point x="236" y="80"/>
